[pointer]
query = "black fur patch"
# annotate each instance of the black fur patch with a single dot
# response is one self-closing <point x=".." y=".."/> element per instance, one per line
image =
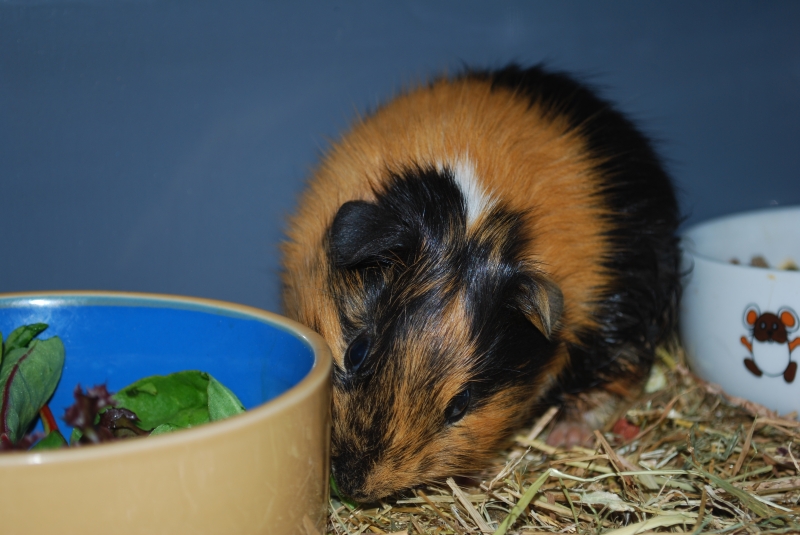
<point x="429" y="263"/>
<point x="363" y="232"/>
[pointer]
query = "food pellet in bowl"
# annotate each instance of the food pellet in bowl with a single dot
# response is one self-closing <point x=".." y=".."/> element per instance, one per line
<point x="761" y="262"/>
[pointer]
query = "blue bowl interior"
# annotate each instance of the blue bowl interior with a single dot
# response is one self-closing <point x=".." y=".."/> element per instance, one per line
<point x="118" y="340"/>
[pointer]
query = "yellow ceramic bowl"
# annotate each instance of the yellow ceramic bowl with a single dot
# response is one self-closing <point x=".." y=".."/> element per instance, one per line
<point x="263" y="471"/>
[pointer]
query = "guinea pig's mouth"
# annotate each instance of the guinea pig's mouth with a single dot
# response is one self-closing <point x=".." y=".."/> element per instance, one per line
<point x="354" y="479"/>
<point x="349" y="483"/>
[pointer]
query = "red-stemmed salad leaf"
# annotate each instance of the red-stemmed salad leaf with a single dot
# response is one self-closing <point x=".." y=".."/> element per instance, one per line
<point x="28" y="377"/>
<point x="22" y="336"/>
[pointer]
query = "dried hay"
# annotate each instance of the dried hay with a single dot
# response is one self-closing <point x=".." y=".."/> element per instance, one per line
<point x="695" y="461"/>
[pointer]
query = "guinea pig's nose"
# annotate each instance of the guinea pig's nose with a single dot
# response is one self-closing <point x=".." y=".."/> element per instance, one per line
<point x="349" y="479"/>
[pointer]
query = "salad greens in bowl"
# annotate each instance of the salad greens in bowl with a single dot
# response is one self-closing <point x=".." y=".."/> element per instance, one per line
<point x="238" y="398"/>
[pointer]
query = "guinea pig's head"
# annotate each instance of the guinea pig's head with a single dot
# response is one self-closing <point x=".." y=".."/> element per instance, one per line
<point x="447" y="331"/>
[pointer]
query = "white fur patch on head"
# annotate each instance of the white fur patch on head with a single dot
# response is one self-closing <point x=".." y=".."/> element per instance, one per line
<point x="477" y="199"/>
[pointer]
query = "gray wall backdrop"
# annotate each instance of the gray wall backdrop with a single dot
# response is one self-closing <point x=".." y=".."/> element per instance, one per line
<point x="158" y="145"/>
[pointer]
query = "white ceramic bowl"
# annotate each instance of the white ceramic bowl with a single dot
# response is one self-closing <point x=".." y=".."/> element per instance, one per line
<point x="739" y="323"/>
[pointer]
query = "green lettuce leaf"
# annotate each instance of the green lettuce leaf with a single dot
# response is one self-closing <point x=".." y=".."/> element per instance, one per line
<point x="52" y="441"/>
<point x="222" y="403"/>
<point x="179" y="400"/>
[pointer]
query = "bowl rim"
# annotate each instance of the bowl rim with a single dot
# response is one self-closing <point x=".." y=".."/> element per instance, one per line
<point x="317" y="376"/>
<point x="688" y="246"/>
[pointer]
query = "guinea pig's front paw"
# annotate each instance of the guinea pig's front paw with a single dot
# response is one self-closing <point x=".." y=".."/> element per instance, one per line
<point x="569" y="433"/>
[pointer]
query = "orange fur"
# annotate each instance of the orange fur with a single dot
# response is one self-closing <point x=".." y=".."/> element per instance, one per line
<point x="520" y="157"/>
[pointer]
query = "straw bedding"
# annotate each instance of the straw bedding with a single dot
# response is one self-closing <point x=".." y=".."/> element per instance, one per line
<point x="685" y="458"/>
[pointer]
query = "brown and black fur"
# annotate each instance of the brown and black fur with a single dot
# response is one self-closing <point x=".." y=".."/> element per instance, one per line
<point x="454" y="318"/>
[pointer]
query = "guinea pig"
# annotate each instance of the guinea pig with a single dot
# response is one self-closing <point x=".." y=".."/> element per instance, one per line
<point x="474" y="251"/>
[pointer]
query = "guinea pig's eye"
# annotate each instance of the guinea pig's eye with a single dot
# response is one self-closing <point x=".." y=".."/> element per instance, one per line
<point x="357" y="352"/>
<point x="458" y="407"/>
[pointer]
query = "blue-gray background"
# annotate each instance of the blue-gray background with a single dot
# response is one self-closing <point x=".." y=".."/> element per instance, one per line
<point x="159" y="145"/>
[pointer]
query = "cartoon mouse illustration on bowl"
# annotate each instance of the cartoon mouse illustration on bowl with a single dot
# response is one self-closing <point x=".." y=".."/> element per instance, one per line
<point x="769" y="343"/>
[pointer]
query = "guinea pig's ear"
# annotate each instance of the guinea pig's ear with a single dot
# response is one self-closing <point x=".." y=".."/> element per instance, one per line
<point x="363" y="231"/>
<point x="542" y="303"/>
